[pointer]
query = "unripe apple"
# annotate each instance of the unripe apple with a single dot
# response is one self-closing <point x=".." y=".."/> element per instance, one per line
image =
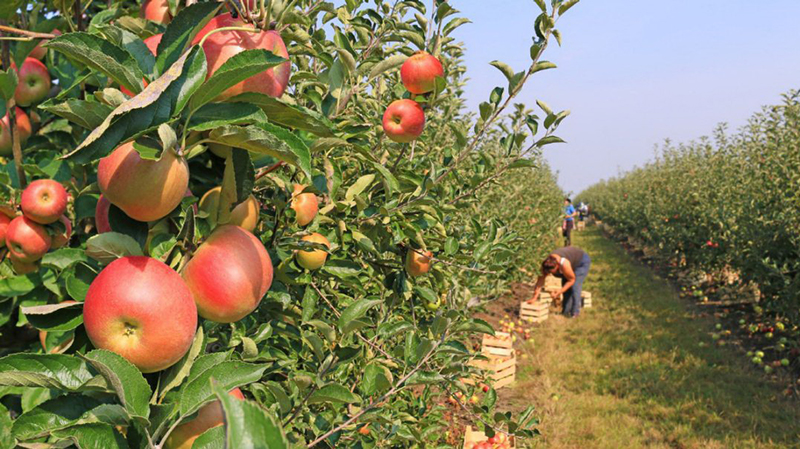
<point x="27" y="240"/>
<point x="4" y="221"/>
<point x="221" y="46"/>
<point x="417" y="262"/>
<point x="245" y="214"/>
<point x="23" y="128"/>
<point x="60" y="240"/>
<point x="145" y="190"/>
<point x="44" y="201"/>
<point x="34" y="83"/>
<point x="403" y="121"/>
<point x="21" y="267"/>
<point x="364" y="430"/>
<point x="305" y="205"/>
<point x="40" y="52"/>
<point x="141" y="309"/>
<point x="315" y="258"/>
<point x="209" y="416"/>
<point x="101" y="215"/>
<point x="229" y="274"/>
<point x="419" y="72"/>
<point x="157" y="11"/>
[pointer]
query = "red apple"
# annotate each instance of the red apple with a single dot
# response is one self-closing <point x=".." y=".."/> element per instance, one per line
<point x="145" y="190"/>
<point x="27" y="240"/>
<point x="44" y="201"/>
<point x="34" y="83"/>
<point x="419" y="72"/>
<point x="101" y="215"/>
<point x="62" y="239"/>
<point x="4" y="221"/>
<point x="305" y="205"/>
<point x="417" y="262"/>
<point x="23" y="128"/>
<point x="403" y="121"/>
<point x="209" y="415"/>
<point x="141" y="309"/>
<point x="315" y="258"/>
<point x="221" y="46"/>
<point x="245" y="214"/>
<point x="229" y="274"/>
<point x="21" y="267"/>
<point x="157" y="11"/>
<point x="40" y="52"/>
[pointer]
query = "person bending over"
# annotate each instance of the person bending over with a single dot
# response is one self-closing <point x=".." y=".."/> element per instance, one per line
<point x="571" y="264"/>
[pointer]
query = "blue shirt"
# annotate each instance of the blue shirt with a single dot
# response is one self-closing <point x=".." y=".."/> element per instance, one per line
<point x="569" y="210"/>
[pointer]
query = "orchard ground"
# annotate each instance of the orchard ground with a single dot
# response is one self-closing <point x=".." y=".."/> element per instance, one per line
<point x="632" y="372"/>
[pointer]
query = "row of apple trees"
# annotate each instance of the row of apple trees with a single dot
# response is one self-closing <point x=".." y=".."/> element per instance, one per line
<point x="358" y="343"/>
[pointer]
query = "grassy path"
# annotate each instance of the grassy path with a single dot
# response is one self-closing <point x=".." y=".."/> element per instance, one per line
<point x="630" y="372"/>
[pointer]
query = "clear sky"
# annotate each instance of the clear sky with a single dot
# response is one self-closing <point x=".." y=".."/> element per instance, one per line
<point x="635" y="72"/>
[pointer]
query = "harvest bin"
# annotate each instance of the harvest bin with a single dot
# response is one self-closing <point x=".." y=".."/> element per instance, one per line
<point x="472" y="437"/>
<point x="586" y="299"/>
<point x="502" y="360"/>
<point x="535" y="312"/>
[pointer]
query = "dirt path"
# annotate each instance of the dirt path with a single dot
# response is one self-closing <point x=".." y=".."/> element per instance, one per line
<point x="639" y="370"/>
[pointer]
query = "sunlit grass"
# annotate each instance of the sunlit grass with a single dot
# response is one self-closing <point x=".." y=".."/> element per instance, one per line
<point x="630" y="372"/>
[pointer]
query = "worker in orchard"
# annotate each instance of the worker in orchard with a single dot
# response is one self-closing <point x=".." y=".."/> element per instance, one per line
<point x="570" y="264"/>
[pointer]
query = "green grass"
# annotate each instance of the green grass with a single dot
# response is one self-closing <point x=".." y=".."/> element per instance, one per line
<point x="631" y="373"/>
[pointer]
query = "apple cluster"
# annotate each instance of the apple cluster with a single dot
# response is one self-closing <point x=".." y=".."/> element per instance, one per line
<point x="404" y="120"/>
<point x="42" y="226"/>
<point x="499" y="441"/>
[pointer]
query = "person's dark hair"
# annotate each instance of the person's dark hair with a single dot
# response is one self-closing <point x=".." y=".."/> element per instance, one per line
<point x="549" y="264"/>
<point x="567" y="200"/>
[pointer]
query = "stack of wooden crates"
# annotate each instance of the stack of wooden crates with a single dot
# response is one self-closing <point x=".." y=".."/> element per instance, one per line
<point x="502" y="360"/>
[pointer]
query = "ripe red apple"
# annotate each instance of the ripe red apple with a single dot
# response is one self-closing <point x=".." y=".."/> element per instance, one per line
<point x="34" y="83"/>
<point x="209" y="415"/>
<point x="4" y="221"/>
<point x="245" y="214"/>
<point x="221" y="46"/>
<point x="60" y="240"/>
<point x="141" y="309"/>
<point x="21" y="267"/>
<point x="157" y="11"/>
<point x="364" y="430"/>
<point x="418" y="263"/>
<point x="152" y="44"/>
<point x="229" y="274"/>
<point x="44" y="201"/>
<point x="101" y="215"/>
<point x="40" y="52"/>
<point x="27" y="240"/>
<point x="419" y="72"/>
<point x="315" y="258"/>
<point x="403" y="121"/>
<point x="23" y="128"/>
<point x="145" y="190"/>
<point x="305" y="205"/>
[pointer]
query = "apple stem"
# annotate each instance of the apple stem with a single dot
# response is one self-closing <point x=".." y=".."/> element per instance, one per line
<point x="31" y="34"/>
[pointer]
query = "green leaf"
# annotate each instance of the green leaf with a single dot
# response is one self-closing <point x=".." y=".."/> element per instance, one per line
<point x="541" y="4"/>
<point x="426" y="294"/>
<point x="343" y="268"/>
<point x="102" y="56"/>
<point x="93" y="436"/>
<point x="387" y="330"/>
<point x="6" y="440"/>
<point x="88" y="114"/>
<point x="238" y="68"/>
<point x="55" y="317"/>
<point x="58" y="371"/>
<point x="387" y="64"/>
<point x="213" y="438"/>
<point x="566" y="6"/>
<point x="109" y="246"/>
<point x="66" y="411"/>
<point x="8" y="84"/>
<point x="548" y="140"/>
<point x="451" y="246"/>
<point x="284" y="114"/>
<point x="230" y="375"/>
<point x="175" y="375"/>
<point x="542" y="65"/>
<point x="504" y="68"/>
<point x="181" y="31"/>
<point x="376" y="379"/>
<point x="523" y="163"/>
<point x="215" y="115"/>
<point x="126" y="380"/>
<point x="474" y="325"/>
<point x="359" y="186"/>
<point x="248" y="426"/>
<point x="156" y="104"/>
<point x="63" y="258"/>
<point x="266" y="138"/>
<point x="425" y="378"/>
<point x="18" y="285"/>
<point x="355" y="311"/>
<point x="333" y="393"/>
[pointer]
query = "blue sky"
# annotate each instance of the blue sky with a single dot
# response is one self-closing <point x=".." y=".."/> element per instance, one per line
<point x="635" y="72"/>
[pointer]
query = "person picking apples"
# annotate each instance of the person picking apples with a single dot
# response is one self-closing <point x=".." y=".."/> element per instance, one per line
<point x="571" y="264"/>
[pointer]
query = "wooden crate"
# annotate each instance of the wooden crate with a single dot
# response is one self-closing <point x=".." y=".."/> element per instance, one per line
<point x="498" y="345"/>
<point x="551" y="283"/>
<point x="502" y="360"/>
<point x="581" y="225"/>
<point x="586" y="299"/>
<point x="535" y="312"/>
<point x="474" y="436"/>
